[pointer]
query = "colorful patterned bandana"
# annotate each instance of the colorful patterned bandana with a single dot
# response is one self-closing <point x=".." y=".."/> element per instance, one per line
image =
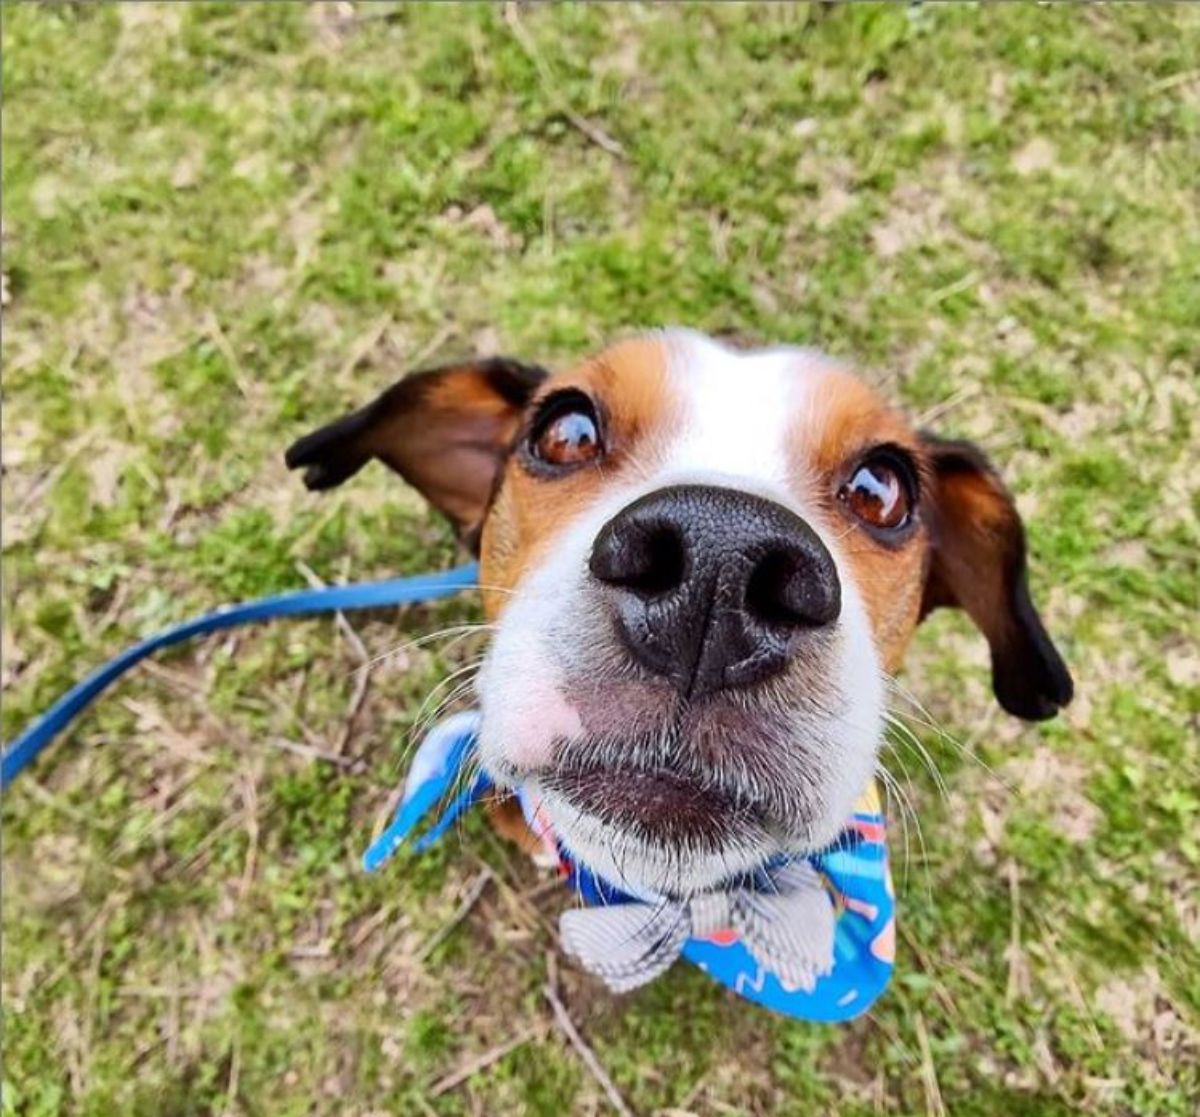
<point x="764" y="935"/>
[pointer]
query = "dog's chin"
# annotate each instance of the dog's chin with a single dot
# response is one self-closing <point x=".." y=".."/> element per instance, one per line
<point x="675" y="854"/>
<point x="651" y="823"/>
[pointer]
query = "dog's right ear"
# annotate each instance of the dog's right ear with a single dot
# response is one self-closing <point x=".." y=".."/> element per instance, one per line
<point x="446" y="431"/>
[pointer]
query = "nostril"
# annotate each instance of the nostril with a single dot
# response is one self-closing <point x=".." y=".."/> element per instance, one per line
<point x="647" y="559"/>
<point x="784" y="590"/>
<point x="767" y="591"/>
<point x="663" y="562"/>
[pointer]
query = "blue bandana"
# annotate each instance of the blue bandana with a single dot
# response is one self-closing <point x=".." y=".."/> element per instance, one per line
<point x="766" y="937"/>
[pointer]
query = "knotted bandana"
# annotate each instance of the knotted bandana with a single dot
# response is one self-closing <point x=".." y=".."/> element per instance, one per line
<point x="766" y="936"/>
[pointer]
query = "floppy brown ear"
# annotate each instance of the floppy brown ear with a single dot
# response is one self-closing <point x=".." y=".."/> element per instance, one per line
<point x="978" y="564"/>
<point x="446" y="431"/>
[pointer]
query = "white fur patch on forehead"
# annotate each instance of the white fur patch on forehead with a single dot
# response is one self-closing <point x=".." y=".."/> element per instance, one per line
<point x="737" y="407"/>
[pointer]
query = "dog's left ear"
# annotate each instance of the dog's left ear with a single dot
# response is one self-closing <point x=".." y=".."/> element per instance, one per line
<point x="978" y="564"/>
<point x="446" y="431"/>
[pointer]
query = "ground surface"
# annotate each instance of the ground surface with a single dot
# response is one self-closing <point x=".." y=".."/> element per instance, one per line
<point x="222" y="226"/>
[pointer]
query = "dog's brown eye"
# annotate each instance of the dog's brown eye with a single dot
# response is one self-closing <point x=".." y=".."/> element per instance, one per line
<point x="879" y="494"/>
<point x="569" y="439"/>
<point x="567" y="432"/>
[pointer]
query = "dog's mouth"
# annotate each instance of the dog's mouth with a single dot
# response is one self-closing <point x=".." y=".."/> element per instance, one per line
<point x="663" y="800"/>
<point x="663" y="805"/>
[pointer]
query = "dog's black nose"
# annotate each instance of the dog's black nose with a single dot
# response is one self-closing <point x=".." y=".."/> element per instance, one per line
<point x="713" y="587"/>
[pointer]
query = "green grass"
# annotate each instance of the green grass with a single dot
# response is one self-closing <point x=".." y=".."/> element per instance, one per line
<point x="223" y="224"/>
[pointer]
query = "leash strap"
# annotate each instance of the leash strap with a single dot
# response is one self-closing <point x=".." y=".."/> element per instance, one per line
<point x="21" y="752"/>
<point x="856" y="868"/>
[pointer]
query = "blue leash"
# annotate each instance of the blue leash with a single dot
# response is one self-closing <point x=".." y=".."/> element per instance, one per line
<point x="865" y="936"/>
<point x="368" y="595"/>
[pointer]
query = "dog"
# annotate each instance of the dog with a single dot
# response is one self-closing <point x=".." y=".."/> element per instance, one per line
<point x="702" y="564"/>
